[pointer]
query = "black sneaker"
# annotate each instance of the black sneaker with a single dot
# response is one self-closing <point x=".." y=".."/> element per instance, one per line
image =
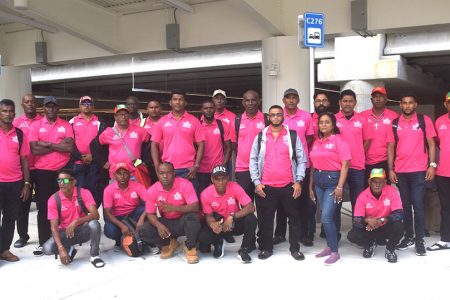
<point x="21" y="242"/>
<point x="265" y="254"/>
<point x="306" y="241"/>
<point x="420" y="248"/>
<point x="229" y="239"/>
<point x="391" y="256"/>
<point x="38" y="251"/>
<point x="297" y="255"/>
<point x="405" y="243"/>
<point x="243" y="256"/>
<point x="218" y="249"/>
<point x="370" y="251"/>
<point x="278" y="239"/>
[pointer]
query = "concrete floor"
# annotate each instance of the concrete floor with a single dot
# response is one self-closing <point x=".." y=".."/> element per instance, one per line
<point x="278" y="277"/>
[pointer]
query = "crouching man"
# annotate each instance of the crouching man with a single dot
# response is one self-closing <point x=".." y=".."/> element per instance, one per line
<point x="73" y="217"/>
<point x="220" y="203"/>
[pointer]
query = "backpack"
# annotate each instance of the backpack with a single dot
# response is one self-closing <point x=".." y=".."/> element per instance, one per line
<point x="19" y="133"/>
<point x="79" y="200"/>
<point x="293" y="135"/>
<point x="221" y="129"/>
<point x="237" y="125"/>
<point x="132" y="243"/>
<point x="421" y="120"/>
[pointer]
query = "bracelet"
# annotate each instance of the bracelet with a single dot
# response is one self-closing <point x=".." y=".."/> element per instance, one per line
<point x="339" y="188"/>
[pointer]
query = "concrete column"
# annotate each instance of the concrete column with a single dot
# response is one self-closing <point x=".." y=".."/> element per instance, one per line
<point x="362" y="90"/>
<point x="284" y="65"/>
<point x="14" y="83"/>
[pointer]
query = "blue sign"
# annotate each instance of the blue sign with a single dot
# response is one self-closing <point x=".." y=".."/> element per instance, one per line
<point x="314" y="30"/>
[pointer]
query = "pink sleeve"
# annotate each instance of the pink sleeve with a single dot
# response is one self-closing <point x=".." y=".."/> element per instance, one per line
<point x="69" y="130"/>
<point x="199" y="133"/>
<point x="33" y="134"/>
<point x="189" y="193"/>
<point x="206" y="204"/>
<point x="360" y="207"/>
<point x="309" y="126"/>
<point x="429" y="128"/>
<point x="157" y="132"/>
<point x="25" y="150"/>
<point x="108" y="198"/>
<point x="150" y="205"/>
<point x="241" y="195"/>
<point x="343" y="150"/>
<point x="103" y="138"/>
<point x="142" y="192"/>
<point x="52" y="213"/>
<point x="87" y="198"/>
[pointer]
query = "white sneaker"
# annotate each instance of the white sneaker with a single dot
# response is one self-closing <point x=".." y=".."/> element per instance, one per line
<point x="38" y="251"/>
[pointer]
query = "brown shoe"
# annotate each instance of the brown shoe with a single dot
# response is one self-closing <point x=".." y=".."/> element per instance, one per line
<point x="8" y="256"/>
<point x="168" y="251"/>
<point x="191" y="255"/>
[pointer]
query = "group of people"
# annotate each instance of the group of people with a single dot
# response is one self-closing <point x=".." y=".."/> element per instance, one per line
<point x="286" y="163"/>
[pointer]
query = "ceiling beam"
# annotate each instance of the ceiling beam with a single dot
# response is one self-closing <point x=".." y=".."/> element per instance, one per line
<point x="180" y="5"/>
<point x="29" y="22"/>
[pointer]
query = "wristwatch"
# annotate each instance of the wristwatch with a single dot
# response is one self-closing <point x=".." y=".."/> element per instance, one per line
<point x="433" y="165"/>
<point x="382" y="220"/>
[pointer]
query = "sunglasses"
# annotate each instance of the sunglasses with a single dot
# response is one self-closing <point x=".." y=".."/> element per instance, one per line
<point x="87" y="103"/>
<point x="64" y="180"/>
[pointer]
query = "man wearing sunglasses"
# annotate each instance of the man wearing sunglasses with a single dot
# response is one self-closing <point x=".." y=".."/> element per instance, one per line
<point x="73" y="219"/>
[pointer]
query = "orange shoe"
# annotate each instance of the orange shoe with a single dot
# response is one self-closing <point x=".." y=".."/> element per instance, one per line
<point x="191" y="255"/>
<point x="8" y="256"/>
<point x="169" y="250"/>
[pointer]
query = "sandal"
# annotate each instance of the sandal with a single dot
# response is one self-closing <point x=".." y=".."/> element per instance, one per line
<point x="437" y="246"/>
<point x="98" y="263"/>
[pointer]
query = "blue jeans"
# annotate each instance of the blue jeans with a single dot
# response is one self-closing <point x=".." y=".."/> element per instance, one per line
<point x="113" y="232"/>
<point x="412" y="192"/>
<point x="183" y="173"/>
<point x="325" y="183"/>
<point x="356" y="182"/>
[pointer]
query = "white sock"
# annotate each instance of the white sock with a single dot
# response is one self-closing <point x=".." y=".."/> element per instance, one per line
<point x="444" y="244"/>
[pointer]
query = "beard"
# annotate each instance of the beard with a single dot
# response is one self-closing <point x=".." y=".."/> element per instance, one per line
<point x="276" y="125"/>
<point x="321" y="109"/>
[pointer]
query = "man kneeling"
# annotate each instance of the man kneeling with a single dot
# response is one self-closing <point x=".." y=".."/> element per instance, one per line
<point x="220" y="203"/>
<point x="73" y="219"/>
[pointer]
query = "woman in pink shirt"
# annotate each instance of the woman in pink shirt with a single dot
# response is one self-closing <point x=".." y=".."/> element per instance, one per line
<point x="330" y="159"/>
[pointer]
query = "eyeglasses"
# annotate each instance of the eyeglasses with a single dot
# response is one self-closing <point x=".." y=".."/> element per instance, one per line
<point x="87" y="103"/>
<point x="321" y="101"/>
<point x="64" y="180"/>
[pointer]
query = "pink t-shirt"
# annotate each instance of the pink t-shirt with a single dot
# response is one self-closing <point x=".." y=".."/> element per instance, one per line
<point x="443" y="133"/>
<point x="124" y="202"/>
<point x="328" y="154"/>
<point x="379" y="126"/>
<point x="410" y="155"/>
<point x="179" y="137"/>
<point x="43" y="131"/>
<point x="277" y="169"/>
<point x="228" y="118"/>
<point x="11" y="170"/>
<point x="213" y="154"/>
<point x="24" y="123"/>
<point x="182" y="193"/>
<point x="70" y="210"/>
<point x="369" y="206"/>
<point x="84" y="131"/>
<point x="226" y="203"/>
<point x="301" y="122"/>
<point x="248" y="129"/>
<point x="354" y="131"/>
<point x="133" y="138"/>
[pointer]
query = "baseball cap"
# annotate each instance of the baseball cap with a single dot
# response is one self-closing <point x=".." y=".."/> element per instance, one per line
<point x="447" y="97"/>
<point x="216" y="92"/>
<point x="219" y="170"/>
<point x="50" y="99"/>
<point x="290" y="91"/>
<point x="379" y="89"/>
<point x="120" y="107"/>
<point x="377" y="173"/>
<point x="120" y="165"/>
<point x="86" y="99"/>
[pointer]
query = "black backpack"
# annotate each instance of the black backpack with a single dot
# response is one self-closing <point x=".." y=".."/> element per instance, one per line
<point x="132" y="243"/>
<point x="237" y="125"/>
<point x="79" y="200"/>
<point x="221" y="129"/>
<point x="421" y="120"/>
<point x="293" y="135"/>
<point x="19" y="133"/>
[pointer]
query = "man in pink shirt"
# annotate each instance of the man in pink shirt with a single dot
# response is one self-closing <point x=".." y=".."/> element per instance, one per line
<point x="379" y="119"/>
<point x="277" y="168"/>
<point x="154" y="111"/>
<point x="179" y="131"/>
<point x="177" y="203"/>
<point x="74" y="218"/>
<point x="136" y="117"/>
<point x="409" y="151"/>
<point x="123" y="199"/>
<point x="15" y="184"/>
<point x="217" y="144"/>
<point x="378" y="215"/>
<point x="51" y="142"/>
<point x="24" y="123"/>
<point x="228" y="211"/>
<point x="442" y="177"/>
<point x="222" y="113"/>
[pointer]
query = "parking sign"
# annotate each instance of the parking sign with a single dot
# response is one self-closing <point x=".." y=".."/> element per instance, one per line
<point x="314" y="30"/>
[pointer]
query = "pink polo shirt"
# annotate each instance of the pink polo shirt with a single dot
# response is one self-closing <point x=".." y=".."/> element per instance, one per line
<point x="301" y="122"/>
<point x="226" y="203"/>
<point x="182" y="193"/>
<point x="149" y="126"/>
<point x="315" y="124"/>
<point x="228" y="118"/>
<point x="443" y="133"/>
<point x="43" y="131"/>
<point x="84" y="131"/>
<point x="354" y="131"/>
<point x="133" y="138"/>
<point x="11" y="170"/>
<point x="179" y="137"/>
<point x="70" y="210"/>
<point x="328" y="154"/>
<point x="277" y="169"/>
<point x="369" y="206"/>
<point x="124" y="202"/>
<point x="249" y="128"/>
<point x="410" y="155"/>
<point x="24" y="123"/>
<point x="379" y="126"/>
<point x="213" y="154"/>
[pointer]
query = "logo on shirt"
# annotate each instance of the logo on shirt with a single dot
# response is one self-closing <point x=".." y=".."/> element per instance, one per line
<point x="329" y="146"/>
<point x="226" y="120"/>
<point x="216" y="131"/>
<point x="215" y="204"/>
<point x="133" y="135"/>
<point x="133" y="194"/>
<point x="177" y="196"/>
<point x="147" y="126"/>
<point x="187" y="124"/>
<point x="42" y="129"/>
<point x="117" y="196"/>
<point x="415" y="126"/>
<point x="387" y="202"/>
<point x="260" y="125"/>
<point x="167" y="124"/>
<point x="62" y="129"/>
<point x="23" y="125"/>
<point x="95" y="123"/>
<point x="357" y="124"/>
<point x="79" y="124"/>
<point x="386" y="121"/>
<point x="161" y="198"/>
<point x="230" y="201"/>
<point x="15" y="139"/>
<point x="338" y="124"/>
<point x="369" y="205"/>
<point x="301" y="123"/>
<point x="242" y="126"/>
<point x="443" y="127"/>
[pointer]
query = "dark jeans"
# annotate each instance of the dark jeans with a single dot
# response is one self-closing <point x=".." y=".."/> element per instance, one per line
<point x="46" y="186"/>
<point x="188" y="225"/>
<point x="245" y="181"/>
<point x="392" y="231"/>
<point x="443" y="187"/>
<point x="24" y="212"/>
<point x="204" y="180"/>
<point x="113" y="232"/>
<point x="267" y="207"/>
<point x="412" y="192"/>
<point x="383" y="165"/>
<point x="356" y="183"/>
<point x="246" y="225"/>
<point x="9" y="208"/>
<point x="183" y="173"/>
<point x="87" y="176"/>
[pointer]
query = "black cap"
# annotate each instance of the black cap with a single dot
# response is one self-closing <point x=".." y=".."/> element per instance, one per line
<point x="50" y="99"/>
<point x="219" y="170"/>
<point x="290" y="91"/>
